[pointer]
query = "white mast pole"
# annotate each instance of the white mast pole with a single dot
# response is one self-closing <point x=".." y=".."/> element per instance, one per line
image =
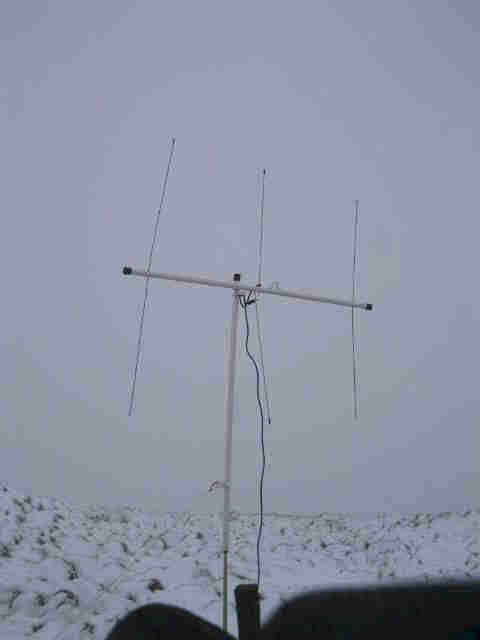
<point x="232" y="356"/>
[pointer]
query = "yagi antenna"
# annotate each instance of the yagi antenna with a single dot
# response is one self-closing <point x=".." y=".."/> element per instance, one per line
<point x="238" y="289"/>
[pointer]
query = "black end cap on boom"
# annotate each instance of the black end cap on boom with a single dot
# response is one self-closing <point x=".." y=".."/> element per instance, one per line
<point x="369" y="306"/>
<point x="127" y="271"/>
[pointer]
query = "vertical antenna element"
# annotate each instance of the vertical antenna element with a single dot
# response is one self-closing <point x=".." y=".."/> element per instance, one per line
<point x="259" y="284"/>
<point x="147" y="280"/>
<point x="354" y="292"/>
<point x="262" y="365"/>
<point x="260" y="250"/>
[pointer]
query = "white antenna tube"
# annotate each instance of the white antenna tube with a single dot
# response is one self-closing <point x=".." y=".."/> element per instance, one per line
<point x="128" y="271"/>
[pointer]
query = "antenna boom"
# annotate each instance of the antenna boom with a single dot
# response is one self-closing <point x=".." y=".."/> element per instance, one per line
<point x="246" y="287"/>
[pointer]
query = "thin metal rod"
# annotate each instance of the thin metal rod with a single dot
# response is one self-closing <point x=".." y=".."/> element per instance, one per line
<point x="260" y="249"/>
<point x="246" y="287"/>
<point x="228" y="443"/>
<point x="354" y="293"/>
<point x="145" y="297"/>
<point x="262" y="365"/>
<point x="259" y="284"/>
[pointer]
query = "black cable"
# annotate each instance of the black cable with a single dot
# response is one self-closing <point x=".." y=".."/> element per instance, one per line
<point x="244" y="303"/>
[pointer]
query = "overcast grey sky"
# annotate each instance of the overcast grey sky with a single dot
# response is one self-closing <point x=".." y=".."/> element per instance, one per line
<point x="337" y="100"/>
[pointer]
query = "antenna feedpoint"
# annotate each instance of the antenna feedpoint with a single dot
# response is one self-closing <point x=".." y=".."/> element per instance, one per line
<point x="127" y="271"/>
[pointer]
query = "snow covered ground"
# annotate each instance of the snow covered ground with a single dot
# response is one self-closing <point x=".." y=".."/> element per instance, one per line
<point x="69" y="572"/>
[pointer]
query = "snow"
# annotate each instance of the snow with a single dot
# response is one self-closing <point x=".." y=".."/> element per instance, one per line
<point x="69" y="572"/>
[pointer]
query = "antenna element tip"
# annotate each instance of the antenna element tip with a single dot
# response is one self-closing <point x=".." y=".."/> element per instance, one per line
<point x="127" y="271"/>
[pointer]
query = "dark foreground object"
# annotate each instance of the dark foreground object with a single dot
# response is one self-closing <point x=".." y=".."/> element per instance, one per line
<point x="248" y="611"/>
<point x="437" y="611"/>
<point x="155" y="621"/>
